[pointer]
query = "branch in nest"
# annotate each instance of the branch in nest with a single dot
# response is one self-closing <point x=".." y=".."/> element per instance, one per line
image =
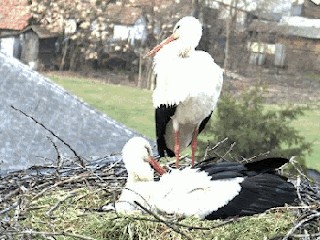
<point x="173" y="225"/>
<point x="47" y="234"/>
<point x="170" y="225"/>
<point x="208" y="149"/>
<point x="299" y="224"/>
<point x="49" y="212"/>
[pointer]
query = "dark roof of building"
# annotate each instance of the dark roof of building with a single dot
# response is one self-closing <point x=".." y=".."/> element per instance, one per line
<point x="126" y="15"/>
<point x="285" y="29"/>
<point x="24" y="143"/>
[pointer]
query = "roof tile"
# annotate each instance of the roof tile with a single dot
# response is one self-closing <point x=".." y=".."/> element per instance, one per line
<point x="14" y="14"/>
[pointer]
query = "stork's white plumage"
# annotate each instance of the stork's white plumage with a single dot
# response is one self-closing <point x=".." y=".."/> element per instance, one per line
<point x="208" y="191"/>
<point x="188" y="85"/>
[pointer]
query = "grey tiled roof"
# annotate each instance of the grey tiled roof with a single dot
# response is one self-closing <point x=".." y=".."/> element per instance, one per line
<point x="24" y="143"/>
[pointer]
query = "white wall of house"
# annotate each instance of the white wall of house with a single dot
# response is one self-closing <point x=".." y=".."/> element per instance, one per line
<point x="121" y="32"/>
<point x="7" y="46"/>
<point x="11" y="46"/>
<point x="138" y="31"/>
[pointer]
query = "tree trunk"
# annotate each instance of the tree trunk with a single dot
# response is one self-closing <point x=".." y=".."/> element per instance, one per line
<point x="64" y="54"/>
<point x="140" y="71"/>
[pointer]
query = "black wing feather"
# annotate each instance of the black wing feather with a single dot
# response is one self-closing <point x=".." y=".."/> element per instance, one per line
<point x="204" y="122"/>
<point x="261" y="189"/>
<point x="258" y="194"/>
<point x="163" y="114"/>
<point x="226" y="170"/>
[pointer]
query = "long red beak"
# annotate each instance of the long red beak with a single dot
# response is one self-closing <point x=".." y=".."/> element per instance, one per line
<point x="156" y="49"/>
<point x="156" y="166"/>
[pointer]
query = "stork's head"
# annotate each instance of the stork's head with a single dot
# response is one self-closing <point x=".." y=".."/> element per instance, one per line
<point x="189" y="31"/>
<point x="137" y="157"/>
<point x="186" y="36"/>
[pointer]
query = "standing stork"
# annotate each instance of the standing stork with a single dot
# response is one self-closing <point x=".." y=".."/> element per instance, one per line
<point x="188" y="86"/>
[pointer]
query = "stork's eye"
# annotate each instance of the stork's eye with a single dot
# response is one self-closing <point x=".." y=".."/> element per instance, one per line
<point x="178" y="27"/>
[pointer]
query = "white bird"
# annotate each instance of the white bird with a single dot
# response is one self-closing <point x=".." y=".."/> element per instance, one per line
<point x="208" y="191"/>
<point x="188" y="85"/>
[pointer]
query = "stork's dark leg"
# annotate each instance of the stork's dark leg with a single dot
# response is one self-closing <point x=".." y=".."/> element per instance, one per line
<point x="194" y="145"/>
<point x="177" y="147"/>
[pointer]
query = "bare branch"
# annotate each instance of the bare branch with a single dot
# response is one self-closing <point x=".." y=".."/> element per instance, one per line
<point x="63" y="233"/>
<point x="299" y="224"/>
<point x="170" y="225"/>
<point x="53" y="134"/>
<point x="70" y="195"/>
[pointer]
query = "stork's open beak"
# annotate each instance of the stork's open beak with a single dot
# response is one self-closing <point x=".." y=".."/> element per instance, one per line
<point x="156" y="166"/>
<point x="156" y="49"/>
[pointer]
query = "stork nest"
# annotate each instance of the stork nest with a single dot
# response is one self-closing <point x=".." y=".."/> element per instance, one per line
<point x="65" y="201"/>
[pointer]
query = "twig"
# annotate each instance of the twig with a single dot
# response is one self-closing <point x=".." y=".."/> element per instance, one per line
<point x="53" y="134"/>
<point x="220" y="143"/>
<point x="256" y="156"/>
<point x="229" y="150"/>
<point x="170" y="225"/>
<point x="306" y="236"/>
<point x="306" y="219"/>
<point x="49" y="212"/>
<point x="9" y="195"/>
<point x="17" y="210"/>
<point x="68" y="180"/>
<point x="14" y="205"/>
<point x="213" y="148"/>
<point x="59" y="162"/>
<point x="232" y="220"/>
<point x="206" y="152"/>
<point x="66" y="234"/>
<point x="293" y="163"/>
<point x="112" y="165"/>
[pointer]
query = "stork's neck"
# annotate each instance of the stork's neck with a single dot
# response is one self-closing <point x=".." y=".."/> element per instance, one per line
<point x="185" y="50"/>
<point x="137" y="177"/>
<point x="177" y="48"/>
<point x="140" y="173"/>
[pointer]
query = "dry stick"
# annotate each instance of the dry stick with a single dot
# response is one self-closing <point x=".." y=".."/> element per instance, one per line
<point x="188" y="226"/>
<point x="66" y="234"/>
<point x="112" y="165"/>
<point x="306" y="236"/>
<point x="14" y="205"/>
<point x="89" y="193"/>
<point x="306" y="219"/>
<point x="50" y="131"/>
<point x="214" y="147"/>
<point x="75" y="178"/>
<point x="206" y="152"/>
<point x="10" y="194"/>
<point x="17" y="210"/>
<point x="255" y="156"/>
<point x="49" y="212"/>
<point x="170" y="225"/>
<point x="232" y="220"/>
<point x="229" y="150"/>
<point x="59" y="162"/>
<point x="293" y="162"/>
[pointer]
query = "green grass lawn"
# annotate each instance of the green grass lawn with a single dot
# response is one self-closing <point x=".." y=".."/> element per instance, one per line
<point x="128" y="105"/>
<point x="309" y="126"/>
<point x="133" y="107"/>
